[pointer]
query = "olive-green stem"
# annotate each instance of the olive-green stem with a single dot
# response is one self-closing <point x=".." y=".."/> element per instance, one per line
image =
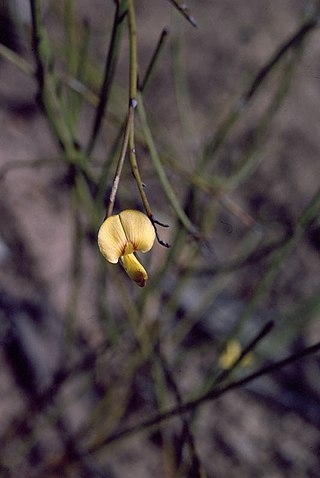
<point x="17" y="60"/>
<point x="129" y="130"/>
<point x="110" y="68"/>
<point x="124" y="147"/>
<point x="136" y="172"/>
<point x="154" y="60"/>
<point x="133" y="51"/>
<point x="49" y="86"/>
<point x="133" y="100"/>
<point x="169" y="192"/>
<point x="184" y="10"/>
<point x="210" y="396"/>
<point x="308" y="215"/>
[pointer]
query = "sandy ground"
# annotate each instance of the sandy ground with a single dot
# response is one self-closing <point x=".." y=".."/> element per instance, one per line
<point x="261" y="432"/>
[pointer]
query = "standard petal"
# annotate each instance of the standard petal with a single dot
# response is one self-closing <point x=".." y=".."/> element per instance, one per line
<point x="138" y="229"/>
<point x="134" y="269"/>
<point x="112" y="239"/>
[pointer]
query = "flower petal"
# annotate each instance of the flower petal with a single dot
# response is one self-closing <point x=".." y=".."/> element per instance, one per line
<point x="134" y="269"/>
<point x="138" y="229"/>
<point x="112" y="239"/>
<point x="230" y="355"/>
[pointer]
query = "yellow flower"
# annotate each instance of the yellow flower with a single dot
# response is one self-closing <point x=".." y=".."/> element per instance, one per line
<point x="121" y="235"/>
<point x="231" y="354"/>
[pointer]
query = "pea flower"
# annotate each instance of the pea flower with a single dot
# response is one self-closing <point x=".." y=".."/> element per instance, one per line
<point x="121" y="235"/>
<point x="232" y="353"/>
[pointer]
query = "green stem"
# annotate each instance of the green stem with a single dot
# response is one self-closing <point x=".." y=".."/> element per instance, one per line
<point x="310" y="212"/>
<point x="119" y="167"/>
<point x="154" y="60"/>
<point x="243" y="102"/>
<point x="184" y="10"/>
<point x="169" y="192"/>
<point x="133" y="101"/>
<point x="136" y="173"/>
<point x="110" y="67"/>
<point x="210" y="396"/>
<point x="133" y="51"/>
<point x="129" y="130"/>
<point x="49" y="87"/>
<point x="17" y="60"/>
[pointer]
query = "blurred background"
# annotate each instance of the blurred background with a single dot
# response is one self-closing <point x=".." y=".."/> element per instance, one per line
<point x="227" y="141"/>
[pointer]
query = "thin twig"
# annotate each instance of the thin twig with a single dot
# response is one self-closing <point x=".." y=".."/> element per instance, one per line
<point x="45" y="398"/>
<point x="186" y="432"/>
<point x="245" y="99"/>
<point x="49" y="86"/>
<point x="133" y="74"/>
<point x="184" y="10"/>
<point x="110" y="67"/>
<point x="266" y="329"/>
<point x="128" y="138"/>
<point x="124" y="147"/>
<point x="294" y="41"/>
<point x="26" y="163"/>
<point x="134" y="96"/>
<point x="154" y="59"/>
<point x="169" y="191"/>
<point x="210" y="396"/>
<point x="17" y="60"/>
<point x="310" y="212"/>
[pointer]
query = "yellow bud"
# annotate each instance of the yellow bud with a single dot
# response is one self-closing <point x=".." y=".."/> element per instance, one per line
<point x="231" y="354"/>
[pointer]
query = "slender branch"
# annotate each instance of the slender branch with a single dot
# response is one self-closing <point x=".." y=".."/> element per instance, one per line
<point x="310" y="212"/>
<point x="240" y="262"/>
<point x="110" y="67"/>
<point x="155" y="222"/>
<point x="169" y="191"/>
<point x="49" y="85"/>
<point x="184" y="10"/>
<point x="266" y="329"/>
<point x="124" y="147"/>
<point x="133" y="51"/>
<point x="133" y="98"/>
<point x="129" y="129"/>
<point x="154" y="59"/>
<point x="17" y="60"/>
<point x="77" y="73"/>
<point x="210" y="396"/>
<point x="292" y="42"/>
<point x="45" y="398"/>
<point x="186" y="432"/>
<point x="25" y="163"/>
<point x="70" y="37"/>
<point x="144" y="198"/>
<point x="244" y="100"/>
<point x="136" y="172"/>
